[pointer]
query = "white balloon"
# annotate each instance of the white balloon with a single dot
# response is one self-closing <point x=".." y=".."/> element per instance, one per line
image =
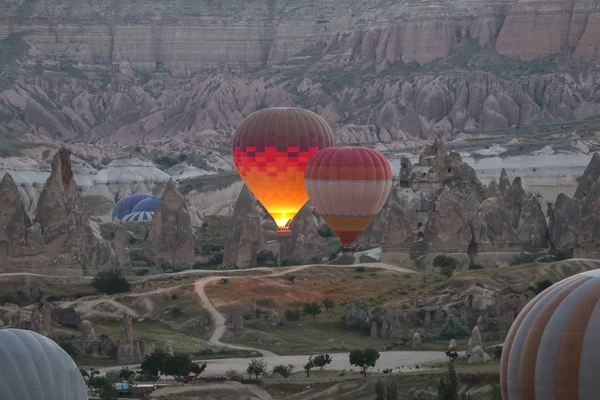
<point x="33" y="367"/>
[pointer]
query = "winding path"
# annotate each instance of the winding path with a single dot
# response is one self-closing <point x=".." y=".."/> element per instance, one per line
<point x="401" y="360"/>
<point x="219" y="319"/>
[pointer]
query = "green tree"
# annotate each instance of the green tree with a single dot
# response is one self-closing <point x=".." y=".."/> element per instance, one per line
<point x="452" y="329"/>
<point x="443" y="260"/>
<point x="448" y="387"/>
<point x="496" y="393"/>
<point x="153" y="364"/>
<point x="283" y="370"/>
<point x="256" y="367"/>
<point x="111" y="281"/>
<point x="108" y="392"/>
<point x="328" y="303"/>
<point x="126" y="374"/>
<point x="197" y="369"/>
<point x="364" y="359"/>
<point x="292" y="315"/>
<point x="98" y="382"/>
<point x="326" y="232"/>
<point x="322" y="360"/>
<point x="177" y="366"/>
<point x="308" y="366"/>
<point x="386" y="392"/>
<point x="313" y="309"/>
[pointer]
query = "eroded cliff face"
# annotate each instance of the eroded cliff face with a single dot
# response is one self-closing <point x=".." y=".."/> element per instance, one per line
<point x="388" y="72"/>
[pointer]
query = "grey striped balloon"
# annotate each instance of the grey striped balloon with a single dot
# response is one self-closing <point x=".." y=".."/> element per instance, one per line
<point x="33" y="367"/>
<point x="551" y="351"/>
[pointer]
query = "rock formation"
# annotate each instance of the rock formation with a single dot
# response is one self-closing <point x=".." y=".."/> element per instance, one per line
<point x="244" y="235"/>
<point x="14" y="221"/>
<point x="305" y="243"/>
<point x="40" y="320"/>
<point x="474" y="340"/>
<point x="35" y="322"/>
<point x="30" y="292"/>
<point x="168" y="348"/>
<point x="273" y="318"/>
<point x="565" y="218"/>
<point x="452" y="345"/>
<point x="235" y="322"/>
<point x="441" y="207"/>
<point x="416" y="341"/>
<point x="87" y="330"/>
<point x="574" y="221"/>
<point x="121" y="246"/>
<point x="374" y="329"/>
<point x="62" y="238"/>
<point x="66" y="317"/>
<point x="478" y="356"/>
<point x="171" y="238"/>
<point x="46" y="312"/>
<point x="67" y="232"/>
<point x="129" y="349"/>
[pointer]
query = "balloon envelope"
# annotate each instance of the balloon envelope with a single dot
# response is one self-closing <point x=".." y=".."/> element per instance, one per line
<point x="127" y="204"/>
<point x="551" y="350"/>
<point x="348" y="186"/>
<point x="33" y="367"/>
<point x="271" y="149"/>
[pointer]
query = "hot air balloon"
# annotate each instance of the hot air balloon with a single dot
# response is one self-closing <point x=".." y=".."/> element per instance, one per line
<point x="348" y="186"/>
<point x="271" y="149"/>
<point x="551" y="350"/>
<point x="33" y="367"/>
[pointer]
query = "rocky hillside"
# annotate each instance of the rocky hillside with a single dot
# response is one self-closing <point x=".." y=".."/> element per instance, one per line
<point x="158" y="75"/>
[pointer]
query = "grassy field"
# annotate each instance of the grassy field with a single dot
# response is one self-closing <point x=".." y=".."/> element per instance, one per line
<point x="326" y="332"/>
<point x="186" y="341"/>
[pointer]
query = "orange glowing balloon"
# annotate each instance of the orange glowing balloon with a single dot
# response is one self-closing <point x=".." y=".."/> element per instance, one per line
<point x="271" y="149"/>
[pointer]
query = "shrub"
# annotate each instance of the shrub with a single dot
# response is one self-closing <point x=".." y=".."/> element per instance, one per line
<point x="447" y="272"/>
<point x="322" y="360"/>
<point x="69" y="348"/>
<point x="111" y="281"/>
<point x="313" y="309"/>
<point x="283" y="370"/>
<point x="523" y="259"/>
<point x="266" y="258"/>
<point x="560" y="255"/>
<point x="364" y="359"/>
<point x="234" y="376"/>
<point x="356" y="316"/>
<point x="292" y="315"/>
<point x="9" y="298"/>
<point x="256" y="367"/>
<point x="328" y="303"/>
<point x="361" y="268"/>
<point x="421" y="394"/>
<point x="541" y="286"/>
<point x="475" y="266"/>
<point x="452" y="329"/>
<point x="443" y="260"/>
<point x="497" y="352"/>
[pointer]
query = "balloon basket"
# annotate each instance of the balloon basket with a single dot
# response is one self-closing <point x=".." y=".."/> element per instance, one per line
<point x="285" y="231"/>
<point x="347" y="251"/>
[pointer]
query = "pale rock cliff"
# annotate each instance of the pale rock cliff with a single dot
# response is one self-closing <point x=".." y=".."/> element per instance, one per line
<point x="171" y="237"/>
<point x="244" y="235"/>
